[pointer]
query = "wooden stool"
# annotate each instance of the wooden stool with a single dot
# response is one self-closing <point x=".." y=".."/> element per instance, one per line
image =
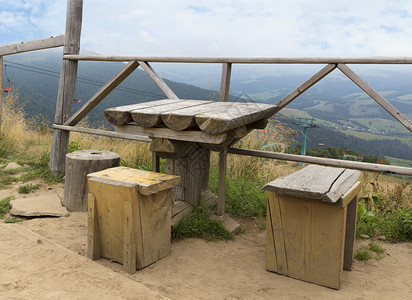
<point x="311" y="224"/>
<point x="129" y="216"/>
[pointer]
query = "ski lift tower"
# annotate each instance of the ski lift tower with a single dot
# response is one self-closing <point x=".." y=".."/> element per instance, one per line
<point x="305" y="123"/>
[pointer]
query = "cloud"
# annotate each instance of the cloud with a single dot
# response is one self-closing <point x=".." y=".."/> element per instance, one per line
<point x="224" y="28"/>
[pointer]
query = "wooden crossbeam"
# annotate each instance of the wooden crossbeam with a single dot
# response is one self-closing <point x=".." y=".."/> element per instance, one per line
<point x="50" y="42"/>
<point x="102" y="93"/>
<point x="158" y="80"/>
<point x="225" y="82"/>
<point x="376" y="96"/>
<point x="401" y="60"/>
<point x="305" y="86"/>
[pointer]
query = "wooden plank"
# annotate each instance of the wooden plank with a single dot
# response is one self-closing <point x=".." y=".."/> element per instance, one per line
<point x="171" y="147"/>
<point x="155" y="222"/>
<point x="376" y="96"/>
<point x="93" y="235"/>
<point x="350" y="234"/>
<point x="314" y="240"/>
<point x="278" y="234"/>
<point x="151" y="117"/>
<point x="45" y="43"/>
<point x="305" y="86"/>
<point x="270" y="255"/>
<point x="250" y="60"/>
<point x="225" y="82"/>
<point x="103" y="133"/>
<point x="158" y="80"/>
<point x="189" y="136"/>
<point x="185" y="118"/>
<point x="129" y="240"/>
<point x="237" y="115"/>
<point x="342" y="184"/>
<point x="323" y="161"/>
<point x="222" y="182"/>
<point x="179" y="210"/>
<point x="67" y="85"/>
<point x="149" y="182"/>
<point x="310" y="182"/>
<point x="102" y="93"/>
<point x="121" y="115"/>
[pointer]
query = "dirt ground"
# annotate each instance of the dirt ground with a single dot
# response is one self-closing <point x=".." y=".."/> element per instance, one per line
<point x="43" y="258"/>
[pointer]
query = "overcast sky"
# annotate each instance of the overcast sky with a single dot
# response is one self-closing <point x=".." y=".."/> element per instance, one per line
<point x="221" y="28"/>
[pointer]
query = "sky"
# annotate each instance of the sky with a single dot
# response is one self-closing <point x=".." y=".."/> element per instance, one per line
<point x="221" y="28"/>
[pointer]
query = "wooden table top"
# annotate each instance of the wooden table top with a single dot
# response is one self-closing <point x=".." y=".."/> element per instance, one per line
<point x="207" y="116"/>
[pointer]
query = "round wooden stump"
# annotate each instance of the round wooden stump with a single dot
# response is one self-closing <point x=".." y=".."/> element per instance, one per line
<point x="78" y="165"/>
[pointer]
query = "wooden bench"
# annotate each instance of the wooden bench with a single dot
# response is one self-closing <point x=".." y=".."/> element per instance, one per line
<point x="311" y="224"/>
<point x="129" y="216"/>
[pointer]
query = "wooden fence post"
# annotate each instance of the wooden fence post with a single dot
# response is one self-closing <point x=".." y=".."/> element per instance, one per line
<point x="67" y="85"/>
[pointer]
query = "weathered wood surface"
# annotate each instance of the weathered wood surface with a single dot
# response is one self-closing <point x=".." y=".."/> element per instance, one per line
<point x="315" y="182"/>
<point x="78" y="165"/>
<point x="121" y="115"/>
<point x="102" y="93"/>
<point x="134" y="228"/>
<point x="189" y="136"/>
<point x="237" y="115"/>
<point x="350" y="200"/>
<point x="49" y="42"/>
<point x="323" y="161"/>
<point x="67" y="86"/>
<point x="170" y="148"/>
<point x="250" y="60"/>
<point x="148" y="182"/>
<point x="305" y="239"/>
<point x="222" y="182"/>
<point x="151" y="117"/>
<point x="225" y="82"/>
<point x="93" y="236"/>
<point x="210" y="117"/>
<point x="185" y="118"/>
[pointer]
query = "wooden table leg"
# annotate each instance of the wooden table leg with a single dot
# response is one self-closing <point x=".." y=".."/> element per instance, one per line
<point x="155" y="162"/>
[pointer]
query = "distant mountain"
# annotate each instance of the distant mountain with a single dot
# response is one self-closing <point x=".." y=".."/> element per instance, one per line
<point x="335" y="99"/>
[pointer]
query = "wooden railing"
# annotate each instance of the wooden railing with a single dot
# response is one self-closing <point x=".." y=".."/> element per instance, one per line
<point x="332" y="63"/>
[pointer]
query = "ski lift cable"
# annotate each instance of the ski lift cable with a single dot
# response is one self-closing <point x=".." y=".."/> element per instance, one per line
<point x="81" y="79"/>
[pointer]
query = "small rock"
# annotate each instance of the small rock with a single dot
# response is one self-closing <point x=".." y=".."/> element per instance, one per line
<point x="364" y="236"/>
<point x="382" y="238"/>
<point x="49" y="188"/>
<point x="39" y="241"/>
<point x="12" y="166"/>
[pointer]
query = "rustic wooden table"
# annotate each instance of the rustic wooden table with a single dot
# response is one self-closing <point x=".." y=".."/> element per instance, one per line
<point x="185" y="131"/>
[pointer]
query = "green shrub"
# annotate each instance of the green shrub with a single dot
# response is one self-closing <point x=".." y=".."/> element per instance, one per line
<point x="198" y="224"/>
<point x="363" y="254"/>
<point x="5" y="206"/>
<point x="28" y="188"/>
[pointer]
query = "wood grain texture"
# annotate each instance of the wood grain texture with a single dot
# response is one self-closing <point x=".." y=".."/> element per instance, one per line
<point x="151" y="117"/>
<point x="67" y="86"/>
<point x="121" y="115"/>
<point x="39" y="44"/>
<point x="189" y="136"/>
<point x="235" y="116"/>
<point x="78" y="165"/>
<point x="93" y="236"/>
<point x="323" y="161"/>
<point x="134" y="228"/>
<point x="222" y="183"/>
<point x="315" y="182"/>
<point x="250" y="60"/>
<point x="225" y="82"/>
